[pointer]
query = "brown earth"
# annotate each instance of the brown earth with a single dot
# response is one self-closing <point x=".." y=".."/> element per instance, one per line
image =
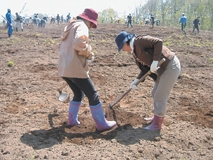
<point x="33" y="121"/>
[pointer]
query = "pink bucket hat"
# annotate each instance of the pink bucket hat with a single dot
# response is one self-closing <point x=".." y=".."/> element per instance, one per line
<point x="90" y="15"/>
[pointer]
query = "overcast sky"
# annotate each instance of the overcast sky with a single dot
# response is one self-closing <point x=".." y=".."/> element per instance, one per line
<point x="63" y="7"/>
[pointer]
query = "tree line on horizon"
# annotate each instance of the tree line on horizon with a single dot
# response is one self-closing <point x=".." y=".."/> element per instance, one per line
<point x="168" y="12"/>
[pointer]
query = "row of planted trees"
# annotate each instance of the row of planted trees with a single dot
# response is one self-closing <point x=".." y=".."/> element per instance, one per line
<point x="168" y="12"/>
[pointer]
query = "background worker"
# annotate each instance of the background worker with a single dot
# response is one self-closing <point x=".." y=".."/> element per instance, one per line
<point x="19" y="22"/>
<point x="152" y="20"/>
<point x="58" y="19"/>
<point x="129" y="20"/>
<point x="182" y="21"/>
<point x="196" y="24"/>
<point x="9" y="23"/>
<point x="74" y="58"/>
<point x="148" y="51"/>
<point x="68" y="17"/>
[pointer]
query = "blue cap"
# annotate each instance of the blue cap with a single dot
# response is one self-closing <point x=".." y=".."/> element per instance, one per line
<point x="122" y="38"/>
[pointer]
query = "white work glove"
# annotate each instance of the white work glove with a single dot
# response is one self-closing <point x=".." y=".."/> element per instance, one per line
<point x="154" y="66"/>
<point x="133" y="84"/>
<point x="92" y="59"/>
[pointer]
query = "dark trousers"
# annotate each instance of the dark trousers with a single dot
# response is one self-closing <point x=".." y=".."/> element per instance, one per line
<point x="9" y="29"/>
<point x="195" y="27"/>
<point x="183" y="26"/>
<point x="129" y="23"/>
<point x="83" y="86"/>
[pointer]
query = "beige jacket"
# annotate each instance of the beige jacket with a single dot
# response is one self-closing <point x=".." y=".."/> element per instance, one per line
<point x="74" y="50"/>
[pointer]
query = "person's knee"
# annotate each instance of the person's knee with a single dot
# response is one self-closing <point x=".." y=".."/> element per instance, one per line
<point x="78" y="97"/>
<point x="94" y="99"/>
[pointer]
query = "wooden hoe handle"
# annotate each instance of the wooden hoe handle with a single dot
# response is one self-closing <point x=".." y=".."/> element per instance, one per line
<point x="60" y="89"/>
<point x="140" y="80"/>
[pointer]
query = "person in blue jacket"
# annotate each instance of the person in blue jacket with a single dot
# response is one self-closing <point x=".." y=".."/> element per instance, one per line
<point x="9" y="22"/>
<point x="182" y="21"/>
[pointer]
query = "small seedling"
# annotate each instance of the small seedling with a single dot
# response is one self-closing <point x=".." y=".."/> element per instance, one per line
<point x="10" y="63"/>
<point x="211" y="59"/>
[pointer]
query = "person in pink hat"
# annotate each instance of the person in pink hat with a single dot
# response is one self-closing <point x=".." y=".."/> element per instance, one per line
<point x="74" y="58"/>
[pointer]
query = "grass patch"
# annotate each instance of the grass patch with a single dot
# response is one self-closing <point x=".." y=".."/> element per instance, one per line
<point x="167" y="43"/>
<point x="186" y="75"/>
<point x="10" y="63"/>
<point x="103" y="40"/>
<point x="50" y="41"/>
<point x="211" y="60"/>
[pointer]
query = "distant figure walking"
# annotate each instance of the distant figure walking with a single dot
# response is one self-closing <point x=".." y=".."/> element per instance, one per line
<point x="19" y="22"/>
<point x="68" y="17"/>
<point x="196" y="24"/>
<point x="58" y="19"/>
<point x="62" y="18"/>
<point x="43" y="21"/>
<point x="152" y="20"/>
<point x="129" y="21"/>
<point x="182" y="21"/>
<point x="9" y="23"/>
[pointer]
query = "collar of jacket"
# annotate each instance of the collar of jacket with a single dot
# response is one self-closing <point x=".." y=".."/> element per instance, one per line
<point x="132" y="44"/>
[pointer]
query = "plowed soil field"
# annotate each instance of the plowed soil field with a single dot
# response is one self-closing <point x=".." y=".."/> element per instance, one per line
<point x="33" y="122"/>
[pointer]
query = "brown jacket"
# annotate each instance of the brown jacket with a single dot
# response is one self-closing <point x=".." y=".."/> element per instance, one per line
<point x="148" y="49"/>
<point x="74" y="50"/>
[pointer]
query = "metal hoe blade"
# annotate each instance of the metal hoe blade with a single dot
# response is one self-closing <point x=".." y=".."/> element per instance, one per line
<point x="63" y="97"/>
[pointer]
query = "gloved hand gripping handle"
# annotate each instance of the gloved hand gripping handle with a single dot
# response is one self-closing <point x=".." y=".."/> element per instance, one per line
<point x="140" y="80"/>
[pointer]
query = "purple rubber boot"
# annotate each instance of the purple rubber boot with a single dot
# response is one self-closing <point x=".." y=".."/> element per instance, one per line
<point x="73" y="113"/>
<point x="156" y="124"/>
<point x="98" y="115"/>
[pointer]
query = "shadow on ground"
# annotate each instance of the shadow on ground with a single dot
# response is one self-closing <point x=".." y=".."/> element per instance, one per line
<point x="123" y="133"/>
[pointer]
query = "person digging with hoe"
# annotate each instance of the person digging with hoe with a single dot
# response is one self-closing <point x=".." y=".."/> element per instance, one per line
<point x="147" y="52"/>
<point x="74" y="58"/>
